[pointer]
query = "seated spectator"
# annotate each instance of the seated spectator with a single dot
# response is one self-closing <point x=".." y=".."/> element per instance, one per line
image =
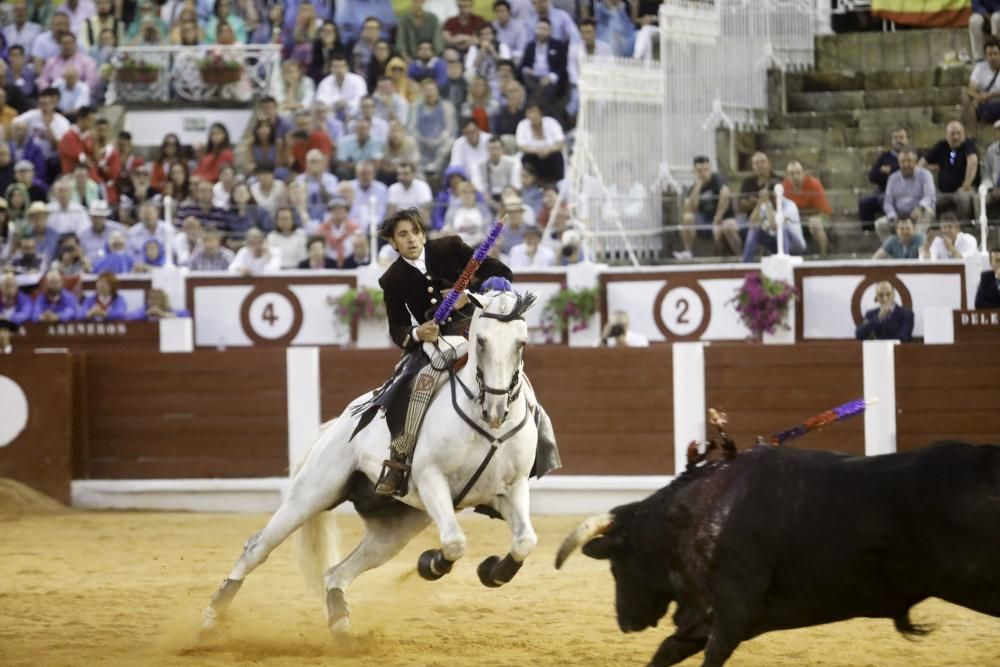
<point x="400" y="148"/>
<point x="26" y="260"/>
<point x="320" y="185"/>
<point x="887" y="322"/>
<point x="266" y="148"/>
<point x="95" y="236"/>
<point x="531" y="193"/>
<point x="20" y="31"/>
<point x="352" y="17"/>
<point x="308" y="137"/>
<point x="426" y="65"/>
<point x="480" y="106"/>
<point x="25" y="149"/>
<point x="870" y="205"/>
<point x="949" y="242"/>
<point x="316" y="257"/>
<point x="909" y="193"/>
<point x="200" y="206"/>
<point x="102" y="19"/>
<point x="20" y="76"/>
<point x="65" y="217"/>
<point x="377" y="64"/>
<point x="456" y="88"/>
<point x="73" y="93"/>
<point x="46" y="45"/>
<point x="510" y="31"/>
<point x="531" y="253"/>
<point x="546" y="78"/>
<point x="256" y="257"/>
<point x="54" y="304"/>
<point x="510" y="115"/>
<point x="409" y="192"/>
<point x="337" y="229"/>
<point x="808" y="194"/>
<point x="268" y="111"/>
<point x="417" y="26"/>
<point x="904" y="244"/>
<point x="615" y="27"/>
<point x="341" y="90"/>
<point x="69" y="56"/>
<point x="516" y="225"/>
<point x="15" y="305"/>
<point x="105" y="304"/>
<point x="402" y="84"/>
<point x="46" y="238"/>
<point x="178" y="183"/>
<point x="291" y="90"/>
<point x="222" y="13"/>
<point x="541" y="140"/>
<point x="150" y="226"/>
<point x="460" y="31"/>
<point x="18" y="201"/>
<point x="222" y="191"/>
<point x="300" y="37"/>
<point x="269" y="193"/>
<point x="618" y="333"/>
<point x="244" y="214"/>
<point x="326" y="44"/>
<point x="468" y="217"/>
<point x="216" y="153"/>
<point x="469" y="150"/>
<point x="563" y="24"/>
<point x="988" y="292"/>
<point x="71" y="261"/>
<point x="211" y="255"/>
<point x="550" y="198"/>
<point x="483" y="57"/>
<point x="386" y="105"/>
<point x="147" y="13"/>
<point x="44" y="124"/>
<point x="370" y="196"/>
<point x="83" y="189"/>
<point x="707" y="208"/>
<point x="356" y="148"/>
<point x="446" y="196"/>
<point x="288" y="239"/>
<point x="187" y="240"/>
<point x="157" y="307"/>
<point x="645" y="14"/>
<point x="982" y="96"/>
<point x="118" y="258"/>
<point x="135" y="191"/>
<point x="432" y="125"/>
<point x="75" y="147"/>
<point x="763" y="226"/>
<point x="378" y="127"/>
<point x="185" y="30"/>
<point x="361" y="254"/>
<point x="571" y="250"/>
<point x="958" y="170"/>
<point x="497" y="172"/>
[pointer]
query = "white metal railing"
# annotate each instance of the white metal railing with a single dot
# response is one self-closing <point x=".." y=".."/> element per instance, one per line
<point x="238" y="73"/>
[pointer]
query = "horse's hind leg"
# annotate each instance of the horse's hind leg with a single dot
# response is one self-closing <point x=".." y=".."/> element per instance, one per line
<point x="387" y="531"/>
<point x="514" y="506"/>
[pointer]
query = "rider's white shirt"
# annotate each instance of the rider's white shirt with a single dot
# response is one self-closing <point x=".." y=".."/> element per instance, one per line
<point x="420" y="263"/>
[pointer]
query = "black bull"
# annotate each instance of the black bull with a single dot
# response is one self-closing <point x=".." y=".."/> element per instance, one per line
<point x="782" y="538"/>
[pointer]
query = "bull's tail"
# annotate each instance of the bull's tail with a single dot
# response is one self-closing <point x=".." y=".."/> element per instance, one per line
<point x="908" y="628"/>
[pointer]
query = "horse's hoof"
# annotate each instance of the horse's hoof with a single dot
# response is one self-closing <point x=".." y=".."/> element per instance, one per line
<point x="432" y="565"/>
<point x="485" y="572"/>
<point x="209" y="619"/>
<point x="341" y="628"/>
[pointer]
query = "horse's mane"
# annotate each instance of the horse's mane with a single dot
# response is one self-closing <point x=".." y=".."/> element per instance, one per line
<point x="523" y="302"/>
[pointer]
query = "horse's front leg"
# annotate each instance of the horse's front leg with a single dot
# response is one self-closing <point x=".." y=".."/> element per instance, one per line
<point x="496" y="571"/>
<point x="436" y="496"/>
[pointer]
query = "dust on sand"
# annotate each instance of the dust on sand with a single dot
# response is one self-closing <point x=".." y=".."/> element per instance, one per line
<point x="87" y="589"/>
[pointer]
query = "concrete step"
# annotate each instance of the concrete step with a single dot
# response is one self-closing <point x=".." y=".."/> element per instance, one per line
<point x="873" y="51"/>
<point x="852" y="100"/>
<point x="853" y="118"/>
<point x="875" y="80"/>
<point x="830" y="157"/>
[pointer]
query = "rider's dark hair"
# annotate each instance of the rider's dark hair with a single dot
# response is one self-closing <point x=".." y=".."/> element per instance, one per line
<point x="407" y="214"/>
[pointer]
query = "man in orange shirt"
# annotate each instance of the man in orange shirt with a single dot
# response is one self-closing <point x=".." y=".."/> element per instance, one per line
<point x="807" y="193"/>
<point x="76" y="145"/>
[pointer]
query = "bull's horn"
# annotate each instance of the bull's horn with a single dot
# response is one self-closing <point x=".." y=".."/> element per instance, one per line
<point x="592" y="527"/>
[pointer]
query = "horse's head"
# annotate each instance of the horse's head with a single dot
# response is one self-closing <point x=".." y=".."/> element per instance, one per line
<point x="497" y="336"/>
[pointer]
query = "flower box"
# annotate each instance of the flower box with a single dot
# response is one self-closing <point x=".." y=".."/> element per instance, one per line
<point x="141" y="73"/>
<point x="220" y="75"/>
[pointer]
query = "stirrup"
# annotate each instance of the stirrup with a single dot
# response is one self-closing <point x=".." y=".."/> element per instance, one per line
<point x="393" y="479"/>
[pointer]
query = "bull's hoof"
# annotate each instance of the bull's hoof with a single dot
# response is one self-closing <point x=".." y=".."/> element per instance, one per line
<point x="432" y="565"/>
<point x="485" y="572"/>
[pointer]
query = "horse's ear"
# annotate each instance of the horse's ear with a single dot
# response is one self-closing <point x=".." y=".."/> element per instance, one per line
<point x="475" y="301"/>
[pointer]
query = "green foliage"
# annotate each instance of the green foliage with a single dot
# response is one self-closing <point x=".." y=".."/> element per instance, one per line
<point x="570" y="309"/>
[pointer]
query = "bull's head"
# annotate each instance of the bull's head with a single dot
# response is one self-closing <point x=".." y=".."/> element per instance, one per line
<point x="641" y="591"/>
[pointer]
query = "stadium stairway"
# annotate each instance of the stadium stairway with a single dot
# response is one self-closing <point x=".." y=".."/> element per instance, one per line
<point x="838" y="117"/>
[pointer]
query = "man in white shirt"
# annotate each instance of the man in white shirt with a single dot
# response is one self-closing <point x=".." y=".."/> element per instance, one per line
<point x="64" y="216"/>
<point x="531" y="253"/>
<point x="366" y="188"/>
<point x="341" y="90"/>
<point x="73" y="93"/>
<point x="256" y="257"/>
<point x="45" y="125"/>
<point x="983" y="93"/>
<point x="409" y="192"/>
<point x="22" y="31"/>
<point x="469" y="150"/>
<point x="763" y="228"/>
<point x="94" y="237"/>
<point x="950" y="243"/>
<point x="496" y="172"/>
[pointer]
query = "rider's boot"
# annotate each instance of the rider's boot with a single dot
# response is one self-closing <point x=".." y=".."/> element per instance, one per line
<point x="392" y="481"/>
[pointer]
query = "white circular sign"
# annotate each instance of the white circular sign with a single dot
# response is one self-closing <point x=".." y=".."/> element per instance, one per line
<point x="682" y="311"/>
<point x="271" y="315"/>
<point x="15" y="410"/>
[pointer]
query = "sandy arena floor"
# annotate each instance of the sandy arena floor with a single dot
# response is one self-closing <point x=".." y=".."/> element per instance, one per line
<point x="86" y="589"/>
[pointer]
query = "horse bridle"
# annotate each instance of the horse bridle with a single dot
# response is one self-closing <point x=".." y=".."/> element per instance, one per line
<point x="513" y="390"/>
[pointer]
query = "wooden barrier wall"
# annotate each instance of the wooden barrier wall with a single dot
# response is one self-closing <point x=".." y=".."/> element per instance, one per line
<point x="766" y="388"/>
<point x="205" y="414"/>
<point x="946" y="392"/>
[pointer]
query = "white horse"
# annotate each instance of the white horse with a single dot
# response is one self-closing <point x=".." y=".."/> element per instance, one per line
<point x="462" y="428"/>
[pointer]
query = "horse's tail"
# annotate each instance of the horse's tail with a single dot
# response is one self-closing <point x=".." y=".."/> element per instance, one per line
<point x="316" y="540"/>
<point x="317" y="546"/>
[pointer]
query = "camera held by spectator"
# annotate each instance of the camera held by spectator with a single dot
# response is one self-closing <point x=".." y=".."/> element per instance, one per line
<point x="617" y="334"/>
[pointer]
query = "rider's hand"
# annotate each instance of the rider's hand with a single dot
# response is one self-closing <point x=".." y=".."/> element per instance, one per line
<point x="428" y="331"/>
<point x="461" y="302"/>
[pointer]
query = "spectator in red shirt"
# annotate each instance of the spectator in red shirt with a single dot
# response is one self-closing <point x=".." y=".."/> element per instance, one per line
<point x="76" y="145"/>
<point x="807" y="193"/>
<point x="217" y="152"/>
<point x="460" y="32"/>
<point x="307" y="137"/>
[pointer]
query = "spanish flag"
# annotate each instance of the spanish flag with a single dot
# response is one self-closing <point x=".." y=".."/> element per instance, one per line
<point x="924" y="13"/>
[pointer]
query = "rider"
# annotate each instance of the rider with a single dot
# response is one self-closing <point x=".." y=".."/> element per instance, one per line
<point x="414" y="286"/>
